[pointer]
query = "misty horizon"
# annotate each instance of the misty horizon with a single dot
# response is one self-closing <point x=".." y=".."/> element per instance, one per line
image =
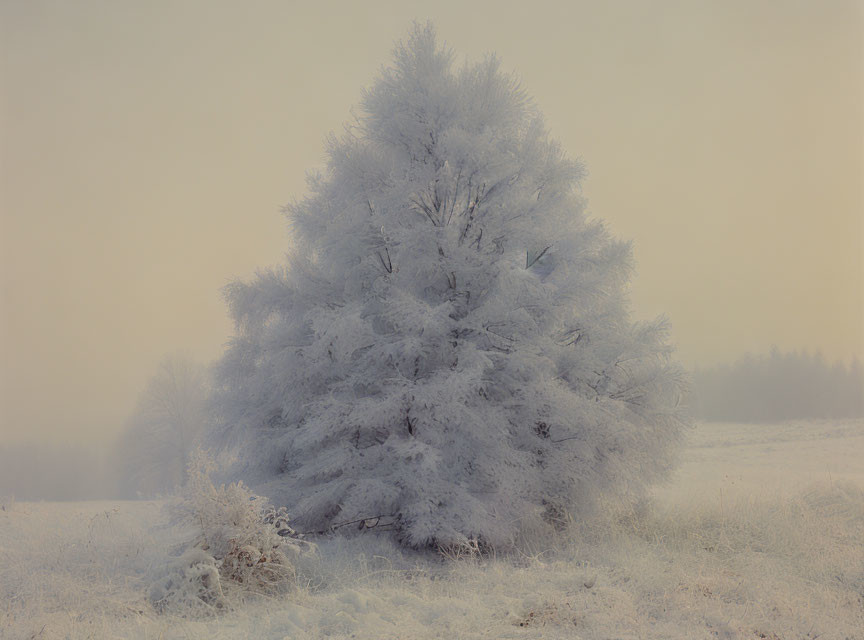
<point x="754" y="389"/>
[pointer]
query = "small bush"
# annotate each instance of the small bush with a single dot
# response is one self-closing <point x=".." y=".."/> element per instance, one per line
<point x="239" y="545"/>
<point x="189" y="585"/>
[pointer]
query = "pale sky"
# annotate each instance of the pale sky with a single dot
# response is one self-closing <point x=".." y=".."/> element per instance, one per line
<point x="147" y="147"/>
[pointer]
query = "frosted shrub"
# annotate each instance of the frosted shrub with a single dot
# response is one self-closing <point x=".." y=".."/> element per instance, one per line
<point x="240" y="545"/>
<point x="449" y="348"/>
<point x="189" y="586"/>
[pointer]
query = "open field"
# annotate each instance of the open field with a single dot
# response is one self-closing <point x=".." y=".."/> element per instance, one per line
<point x="759" y="535"/>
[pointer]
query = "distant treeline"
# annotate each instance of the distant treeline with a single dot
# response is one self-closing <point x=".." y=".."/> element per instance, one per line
<point x="778" y="386"/>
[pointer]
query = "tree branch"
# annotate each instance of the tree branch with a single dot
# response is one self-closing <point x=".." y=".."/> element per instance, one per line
<point x="540" y="255"/>
<point x="388" y="266"/>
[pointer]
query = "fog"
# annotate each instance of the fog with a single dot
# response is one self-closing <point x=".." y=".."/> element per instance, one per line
<point x="42" y="471"/>
<point x="146" y="151"/>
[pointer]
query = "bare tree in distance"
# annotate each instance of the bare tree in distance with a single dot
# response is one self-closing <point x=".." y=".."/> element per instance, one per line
<point x="153" y="452"/>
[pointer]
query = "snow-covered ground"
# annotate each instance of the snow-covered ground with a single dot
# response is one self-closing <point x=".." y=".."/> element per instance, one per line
<point x="760" y="535"/>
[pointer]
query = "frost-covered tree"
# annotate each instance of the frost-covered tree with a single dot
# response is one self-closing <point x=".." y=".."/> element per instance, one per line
<point x="447" y="353"/>
<point x="152" y="455"/>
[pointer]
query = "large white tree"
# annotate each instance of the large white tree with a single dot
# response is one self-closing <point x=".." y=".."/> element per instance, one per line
<point x="447" y="351"/>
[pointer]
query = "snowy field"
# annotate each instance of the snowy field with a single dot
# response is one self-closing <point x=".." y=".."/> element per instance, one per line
<point x="759" y="535"/>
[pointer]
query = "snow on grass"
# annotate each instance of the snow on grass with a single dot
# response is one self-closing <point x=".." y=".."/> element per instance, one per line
<point x="754" y="564"/>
